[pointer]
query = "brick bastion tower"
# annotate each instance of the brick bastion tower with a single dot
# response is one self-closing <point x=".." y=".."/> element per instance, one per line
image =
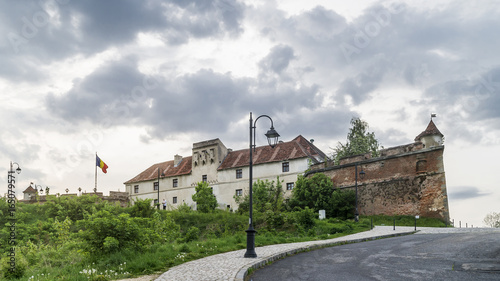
<point x="403" y="180"/>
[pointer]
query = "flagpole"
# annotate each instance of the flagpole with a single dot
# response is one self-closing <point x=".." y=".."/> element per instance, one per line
<point x="95" y="164"/>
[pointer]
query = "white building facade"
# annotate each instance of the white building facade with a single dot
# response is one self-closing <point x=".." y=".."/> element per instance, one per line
<point x="226" y="171"/>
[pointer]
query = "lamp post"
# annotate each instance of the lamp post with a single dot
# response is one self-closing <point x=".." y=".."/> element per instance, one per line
<point x="162" y="174"/>
<point x="36" y="186"/>
<point x="11" y="180"/>
<point x="18" y="170"/>
<point x="361" y="175"/>
<point x="272" y="139"/>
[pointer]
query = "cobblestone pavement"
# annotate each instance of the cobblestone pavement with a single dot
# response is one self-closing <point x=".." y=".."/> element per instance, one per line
<point x="233" y="266"/>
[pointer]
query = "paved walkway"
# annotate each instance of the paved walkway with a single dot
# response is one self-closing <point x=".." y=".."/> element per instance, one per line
<point x="233" y="266"/>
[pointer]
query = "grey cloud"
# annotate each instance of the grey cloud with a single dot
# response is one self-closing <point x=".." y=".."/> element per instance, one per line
<point x="278" y="59"/>
<point x="204" y="102"/>
<point x="363" y="83"/>
<point x="427" y="50"/>
<point x="208" y="102"/>
<point x="117" y="92"/>
<point x="467" y="99"/>
<point x="465" y="192"/>
<point x="43" y="33"/>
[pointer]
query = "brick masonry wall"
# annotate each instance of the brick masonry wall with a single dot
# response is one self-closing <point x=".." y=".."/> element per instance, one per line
<point x="405" y="180"/>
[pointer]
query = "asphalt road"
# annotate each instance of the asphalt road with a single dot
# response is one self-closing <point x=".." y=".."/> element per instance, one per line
<point x="458" y="256"/>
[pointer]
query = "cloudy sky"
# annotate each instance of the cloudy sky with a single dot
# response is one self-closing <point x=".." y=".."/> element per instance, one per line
<point x="140" y="81"/>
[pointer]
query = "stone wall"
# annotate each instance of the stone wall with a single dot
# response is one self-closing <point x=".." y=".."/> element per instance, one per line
<point x="116" y="197"/>
<point x="404" y="180"/>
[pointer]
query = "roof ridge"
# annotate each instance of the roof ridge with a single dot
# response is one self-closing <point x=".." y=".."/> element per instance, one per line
<point x="430" y="130"/>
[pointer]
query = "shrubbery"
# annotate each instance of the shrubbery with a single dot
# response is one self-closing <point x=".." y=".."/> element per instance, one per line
<point x="204" y="198"/>
<point x="318" y="193"/>
<point x="84" y="238"/>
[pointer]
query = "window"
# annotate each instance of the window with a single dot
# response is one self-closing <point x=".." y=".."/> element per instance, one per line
<point x="239" y="192"/>
<point x="175" y="182"/>
<point x="286" y="167"/>
<point x="136" y="189"/>
<point x="289" y="186"/>
<point x="239" y="173"/>
<point x="174" y="200"/>
<point x="155" y="202"/>
<point x="204" y="178"/>
<point x="155" y="185"/>
<point x="421" y="166"/>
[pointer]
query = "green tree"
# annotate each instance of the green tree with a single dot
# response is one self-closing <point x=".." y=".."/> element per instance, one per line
<point x="359" y="141"/>
<point x="74" y="207"/>
<point x="314" y="193"/>
<point x="342" y="204"/>
<point x="142" y="208"/>
<point x="204" y="198"/>
<point x="318" y="193"/>
<point x="267" y="196"/>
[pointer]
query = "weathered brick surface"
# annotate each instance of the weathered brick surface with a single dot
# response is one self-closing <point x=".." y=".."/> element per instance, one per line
<point x="405" y="180"/>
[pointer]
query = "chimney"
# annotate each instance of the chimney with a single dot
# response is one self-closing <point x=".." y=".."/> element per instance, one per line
<point x="177" y="160"/>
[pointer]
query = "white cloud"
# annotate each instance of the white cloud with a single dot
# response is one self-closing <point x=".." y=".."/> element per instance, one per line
<point x="156" y="76"/>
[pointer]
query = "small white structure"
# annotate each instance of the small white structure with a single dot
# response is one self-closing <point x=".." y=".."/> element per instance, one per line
<point x="322" y="214"/>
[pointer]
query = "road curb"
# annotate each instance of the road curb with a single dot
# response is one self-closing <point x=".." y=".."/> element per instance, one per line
<point x="243" y="272"/>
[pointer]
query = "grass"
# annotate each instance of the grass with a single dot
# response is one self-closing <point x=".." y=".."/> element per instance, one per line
<point x="224" y="236"/>
<point x="405" y="221"/>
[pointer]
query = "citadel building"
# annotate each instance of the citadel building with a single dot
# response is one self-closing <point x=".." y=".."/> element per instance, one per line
<point x="225" y="170"/>
<point x="403" y="180"/>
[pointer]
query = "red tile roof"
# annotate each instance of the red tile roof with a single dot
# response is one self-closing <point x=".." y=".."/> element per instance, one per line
<point x="30" y="190"/>
<point x="167" y="168"/>
<point x="430" y="130"/>
<point x="295" y="149"/>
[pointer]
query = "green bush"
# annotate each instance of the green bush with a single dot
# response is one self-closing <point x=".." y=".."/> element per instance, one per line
<point x="13" y="267"/>
<point x="266" y="196"/>
<point x="142" y="208"/>
<point x="73" y="207"/>
<point x="204" y="198"/>
<point x="306" y="218"/>
<point x="110" y="244"/>
<point x="192" y="234"/>
<point x="342" y="204"/>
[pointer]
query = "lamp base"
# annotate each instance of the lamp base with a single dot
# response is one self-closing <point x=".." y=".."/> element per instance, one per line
<point x="250" y="253"/>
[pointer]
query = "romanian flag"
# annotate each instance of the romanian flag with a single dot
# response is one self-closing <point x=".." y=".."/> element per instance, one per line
<point x="101" y="164"/>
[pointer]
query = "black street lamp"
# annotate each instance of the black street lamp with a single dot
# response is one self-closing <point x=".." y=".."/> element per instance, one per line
<point x="361" y="175"/>
<point x="272" y="139"/>
<point x="158" y="187"/>
<point x="18" y="170"/>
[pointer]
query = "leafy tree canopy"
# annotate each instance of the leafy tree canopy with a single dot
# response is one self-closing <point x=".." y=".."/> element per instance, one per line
<point x="318" y="193"/>
<point x="359" y="141"/>
<point x="204" y="198"/>
<point x="267" y="196"/>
